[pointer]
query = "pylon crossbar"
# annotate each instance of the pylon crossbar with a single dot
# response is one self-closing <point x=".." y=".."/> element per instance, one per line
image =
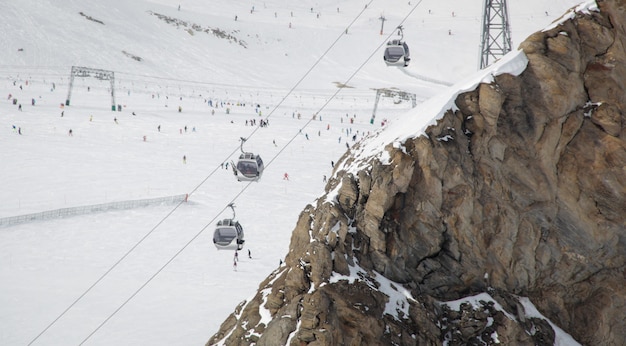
<point x="79" y="71"/>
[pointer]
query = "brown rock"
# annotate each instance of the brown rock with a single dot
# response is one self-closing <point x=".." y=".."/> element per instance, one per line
<point x="526" y="196"/>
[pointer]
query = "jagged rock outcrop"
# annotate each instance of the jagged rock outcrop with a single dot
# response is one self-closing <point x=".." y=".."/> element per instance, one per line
<point x="521" y="192"/>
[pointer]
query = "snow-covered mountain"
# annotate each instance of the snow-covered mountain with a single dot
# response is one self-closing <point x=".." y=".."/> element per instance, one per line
<point x="287" y="58"/>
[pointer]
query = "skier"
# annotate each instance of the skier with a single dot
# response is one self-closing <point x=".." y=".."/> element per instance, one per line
<point x="184" y="159"/>
<point x="236" y="256"/>
<point x="286" y="176"/>
<point x="249" y="254"/>
<point x="324" y="178"/>
<point x="159" y="128"/>
<point x="70" y="133"/>
<point x="235" y="265"/>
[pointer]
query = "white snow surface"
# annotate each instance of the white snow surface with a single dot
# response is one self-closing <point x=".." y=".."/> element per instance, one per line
<point x="398" y="303"/>
<point x="561" y="337"/>
<point x="585" y="7"/>
<point x="59" y="281"/>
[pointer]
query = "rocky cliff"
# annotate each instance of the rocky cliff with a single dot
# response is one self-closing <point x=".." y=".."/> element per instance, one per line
<point x="516" y="197"/>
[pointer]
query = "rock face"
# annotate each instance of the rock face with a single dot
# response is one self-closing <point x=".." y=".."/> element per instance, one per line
<point x="525" y="198"/>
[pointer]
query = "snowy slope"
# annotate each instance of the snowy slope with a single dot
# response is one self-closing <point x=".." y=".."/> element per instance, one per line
<point x="46" y="265"/>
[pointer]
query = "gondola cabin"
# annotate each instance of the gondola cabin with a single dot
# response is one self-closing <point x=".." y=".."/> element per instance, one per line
<point x="228" y="235"/>
<point x="249" y="167"/>
<point x="397" y="53"/>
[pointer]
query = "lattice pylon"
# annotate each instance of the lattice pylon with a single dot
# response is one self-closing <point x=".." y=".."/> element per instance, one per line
<point x="495" y="39"/>
<point x="79" y="71"/>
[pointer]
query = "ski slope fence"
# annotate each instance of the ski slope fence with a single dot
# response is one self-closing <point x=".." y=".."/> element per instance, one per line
<point x="90" y="209"/>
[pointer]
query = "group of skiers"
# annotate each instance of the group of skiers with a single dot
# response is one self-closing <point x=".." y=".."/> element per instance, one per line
<point x="236" y="258"/>
<point x="252" y="121"/>
<point x="262" y="122"/>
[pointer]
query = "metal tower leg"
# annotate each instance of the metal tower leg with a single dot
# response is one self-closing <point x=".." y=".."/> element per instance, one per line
<point x="495" y="39"/>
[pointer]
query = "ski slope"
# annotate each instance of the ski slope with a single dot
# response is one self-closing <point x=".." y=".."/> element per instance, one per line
<point x="75" y="279"/>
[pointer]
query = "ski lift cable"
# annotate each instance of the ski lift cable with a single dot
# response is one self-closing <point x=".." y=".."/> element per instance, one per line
<point x="249" y="183"/>
<point x="343" y="33"/>
<point x="106" y="273"/>
<point x="202" y="182"/>
<point x="127" y="253"/>
<point x="345" y="82"/>
<point x="172" y="258"/>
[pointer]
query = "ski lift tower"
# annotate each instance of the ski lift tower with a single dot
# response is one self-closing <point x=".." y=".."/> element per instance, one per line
<point x="79" y="71"/>
<point x="495" y="39"/>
